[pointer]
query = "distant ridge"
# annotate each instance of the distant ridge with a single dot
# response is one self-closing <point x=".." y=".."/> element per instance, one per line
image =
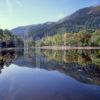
<point x="87" y="18"/>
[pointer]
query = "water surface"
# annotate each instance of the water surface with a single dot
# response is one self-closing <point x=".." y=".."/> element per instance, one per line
<point x="50" y="75"/>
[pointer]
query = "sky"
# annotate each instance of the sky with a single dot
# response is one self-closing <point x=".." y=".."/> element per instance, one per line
<point x="14" y="13"/>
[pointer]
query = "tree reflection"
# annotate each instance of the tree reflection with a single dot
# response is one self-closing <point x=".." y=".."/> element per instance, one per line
<point x="7" y="57"/>
<point x="83" y="66"/>
<point x="82" y="57"/>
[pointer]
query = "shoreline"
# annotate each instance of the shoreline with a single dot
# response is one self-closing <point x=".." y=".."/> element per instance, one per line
<point x="68" y="48"/>
<point x="16" y="48"/>
<point x="56" y="48"/>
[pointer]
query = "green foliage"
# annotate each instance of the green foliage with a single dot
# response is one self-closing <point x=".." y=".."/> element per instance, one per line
<point x="9" y="39"/>
<point x="58" y="39"/>
<point x="31" y="43"/>
<point x="6" y="35"/>
<point x="95" y="38"/>
<point x="82" y="38"/>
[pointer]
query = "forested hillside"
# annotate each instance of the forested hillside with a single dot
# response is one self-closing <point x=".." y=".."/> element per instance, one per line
<point x="84" y="19"/>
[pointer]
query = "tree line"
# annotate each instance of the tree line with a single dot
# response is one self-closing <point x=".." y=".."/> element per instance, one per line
<point x="81" y="38"/>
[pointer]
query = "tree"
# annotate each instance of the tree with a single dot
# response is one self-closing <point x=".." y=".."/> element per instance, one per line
<point x="95" y="38"/>
<point x="83" y="38"/>
<point x="1" y="34"/>
<point x="58" y="39"/>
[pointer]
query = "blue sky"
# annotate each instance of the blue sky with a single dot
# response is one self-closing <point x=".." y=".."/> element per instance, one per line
<point x="15" y="13"/>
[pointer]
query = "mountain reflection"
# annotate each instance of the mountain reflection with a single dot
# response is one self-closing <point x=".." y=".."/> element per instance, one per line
<point x="81" y="65"/>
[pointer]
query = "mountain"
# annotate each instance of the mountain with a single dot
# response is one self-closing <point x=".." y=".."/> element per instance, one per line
<point x="87" y="18"/>
<point x="35" y="30"/>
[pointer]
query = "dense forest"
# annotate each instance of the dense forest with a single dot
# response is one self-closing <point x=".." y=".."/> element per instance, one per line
<point x="82" y="38"/>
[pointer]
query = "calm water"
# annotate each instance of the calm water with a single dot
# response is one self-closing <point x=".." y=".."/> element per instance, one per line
<point x="50" y="75"/>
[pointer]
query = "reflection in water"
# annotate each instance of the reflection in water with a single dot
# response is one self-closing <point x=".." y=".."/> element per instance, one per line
<point x="81" y="57"/>
<point x="50" y="75"/>
<point x="81" y="65"/>
<point x="8" y="56"/>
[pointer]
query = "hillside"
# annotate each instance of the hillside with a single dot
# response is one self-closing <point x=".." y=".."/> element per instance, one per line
<point x="86" y="18"/>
